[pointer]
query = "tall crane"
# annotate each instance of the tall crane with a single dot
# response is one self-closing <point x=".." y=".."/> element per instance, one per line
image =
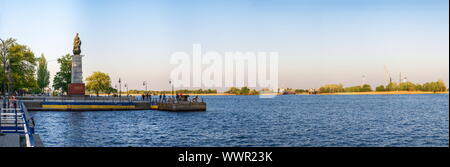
<point x="387" y="75"/>
<point x="363" y="80"/>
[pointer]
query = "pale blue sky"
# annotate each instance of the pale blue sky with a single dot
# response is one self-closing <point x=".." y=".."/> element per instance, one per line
<point x="320" y="41"/>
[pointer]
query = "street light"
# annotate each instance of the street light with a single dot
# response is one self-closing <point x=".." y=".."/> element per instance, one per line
<point x="126" y="86"/>
<point x="170" y="82"/>
<point x="145" y="84"/>
<point x="115" y="86"/>
<point x="120" y="88"/>
<point x="4" y="54"/>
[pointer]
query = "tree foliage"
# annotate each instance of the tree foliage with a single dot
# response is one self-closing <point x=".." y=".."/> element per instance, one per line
<point x="438" y="86"/>
<point x="99" y="82"/>
<point x="331" y="88"/>
<point x="364" y="88"/>
<point x="199" y="91"/>
<point x="43" y="75"/>
<point x="380" y="88"/>
<point x="183" y="91"/>
<point x="64" y="77"/>
<point x="22" y="67"/>
<point x="242" y="91"/>
<point x="301" y="91"/>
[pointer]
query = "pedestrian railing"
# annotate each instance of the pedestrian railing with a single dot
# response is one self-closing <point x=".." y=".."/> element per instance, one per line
<point x="14" y="120"/>
<point x="173" y="100"/>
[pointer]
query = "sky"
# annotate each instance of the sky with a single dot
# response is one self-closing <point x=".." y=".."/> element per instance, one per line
<point x="319" y="41"/>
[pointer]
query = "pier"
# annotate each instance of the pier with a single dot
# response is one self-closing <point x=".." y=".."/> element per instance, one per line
<point x="86" y="103"/>
<point x="181" y="103"/>
<point x="17" y="127"/>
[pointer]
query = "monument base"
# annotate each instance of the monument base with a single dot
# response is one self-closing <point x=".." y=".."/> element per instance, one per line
<point x="76" y="89"/>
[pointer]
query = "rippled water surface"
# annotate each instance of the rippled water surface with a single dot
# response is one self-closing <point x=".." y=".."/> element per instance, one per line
<point x="293" y="120"/>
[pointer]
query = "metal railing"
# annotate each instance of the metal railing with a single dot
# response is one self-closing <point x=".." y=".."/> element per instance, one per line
<point x="15" y="120"/>
<point x="75" y="99"/>
<point x="189" y="100"/>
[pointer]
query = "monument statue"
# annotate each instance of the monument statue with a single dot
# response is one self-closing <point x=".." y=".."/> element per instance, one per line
<point x="76" y="45"/>
<point x="77" y="87"/>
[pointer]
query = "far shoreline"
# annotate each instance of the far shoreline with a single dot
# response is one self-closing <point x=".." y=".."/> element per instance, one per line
<point x="384" y="93"/>
<point x="268" y="94"/>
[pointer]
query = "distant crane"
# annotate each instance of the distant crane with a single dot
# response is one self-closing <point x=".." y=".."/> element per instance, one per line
<point x="363" y="80"/>
<point x="387" y="75"/>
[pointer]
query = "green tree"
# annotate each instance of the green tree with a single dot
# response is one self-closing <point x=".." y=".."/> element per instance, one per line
<point x="4" y="51"/>
<point x="301" y="91"/>
<point x="352" y="89"/>
<point x="43" y="75"/>
<point x="244" y="91"/>
<point x="233" y="90"/>
<point x="22" y="66"/>
<point x="253" y="92"/>
<point x="98" y="82"/>
<point x="113" y="90"/>
<point x="407" y="86"/>
<point x="392" y="87"/>
<point x="366" y="88"/>
<point x="380" y="88"/>
<point x="331" y="88"/>
<point x="441" y="86"/>
<point x="438" y="86"/>
<point x="64" y="77"/>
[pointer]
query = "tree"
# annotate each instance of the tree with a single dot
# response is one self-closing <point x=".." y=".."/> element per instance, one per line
<point x="441" y="86"/>
<point x="233" y="90"/>
<point x="366" y="88"/>
<point x="438" y="86"/>
<point x="43" y="75"/>
<point x="112" y="90"/>
<point x="331" y="88"/>
<point x="407" y="86"/>
<point x="64" y="77"/>
<point x="22" y="66"/>
<point x="301" y="91"/>
<point x="4" y="51"/>
<point x="392" y="87"/>
<point x="98" y="82"/>
<point x="380" y="88"/>
<point x="244" y="91"/>
<point x="253" y="92"/>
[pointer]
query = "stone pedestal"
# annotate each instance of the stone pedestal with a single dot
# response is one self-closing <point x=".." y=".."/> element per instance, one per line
<point x="76" y="89"/>
<point x="77" y="86"/>
<point x="77" y="69"/>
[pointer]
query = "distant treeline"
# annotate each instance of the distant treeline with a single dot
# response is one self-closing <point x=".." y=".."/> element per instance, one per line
<point x="183" y="91"/>
<point x="242" y="91"/>
<point x="438" y="86"/>
<point x="335" y="88"/>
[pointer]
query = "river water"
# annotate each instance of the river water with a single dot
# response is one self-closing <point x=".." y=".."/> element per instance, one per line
<point x="291" y="120"/>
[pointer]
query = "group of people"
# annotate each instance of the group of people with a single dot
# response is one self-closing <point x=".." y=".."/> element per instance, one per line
<point x="11" y="103"/>
<point x="164" y="98"/>
<point x="146" y="96"/>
